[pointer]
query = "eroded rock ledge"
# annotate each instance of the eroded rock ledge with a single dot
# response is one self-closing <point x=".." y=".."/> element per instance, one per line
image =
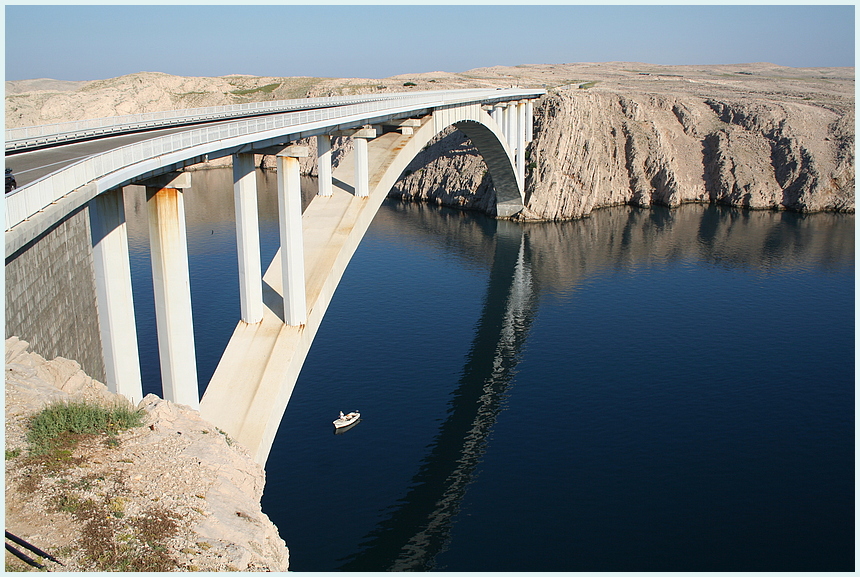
<point x="177" y="465"/>
<point x="602" y="148"/>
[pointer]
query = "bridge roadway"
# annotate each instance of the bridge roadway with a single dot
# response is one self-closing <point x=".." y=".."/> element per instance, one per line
<point x="281" y="311"/>
<point x="35" y="152"/>
<point x="32" y="165"/>
<point x="50" y="135"/>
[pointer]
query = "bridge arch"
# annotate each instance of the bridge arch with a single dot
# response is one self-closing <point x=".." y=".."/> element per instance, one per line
<point x="487" y="137"/>
<point x="254" y="381"/>
<point x="247" y="399"/>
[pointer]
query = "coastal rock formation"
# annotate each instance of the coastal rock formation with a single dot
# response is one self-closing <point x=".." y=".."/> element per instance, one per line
<point x="597" y="149"/>
<point x="602" y="148"/>
<point x="177" y="470"/>
<point x="448" y="172"/>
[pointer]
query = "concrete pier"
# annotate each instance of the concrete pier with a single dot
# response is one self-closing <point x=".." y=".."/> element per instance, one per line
<point x="530" y="121"/>
<point x="248" y="238"/>
<point x="511" y="125"/>
<point x="497" y="114"/>
<point x="360" y="139"/>
<point x="290" y="226"/>
<point x="521" y="143"/>
<point x="109" y="234"/>
<point x="324" y="164"/>
<point x="170" y="279"/>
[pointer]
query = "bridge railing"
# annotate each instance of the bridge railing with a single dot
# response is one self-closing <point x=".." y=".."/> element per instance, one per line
<point x="28" y="136"/>
<point x="23" y="202"/>
<point x="34" y="136"/>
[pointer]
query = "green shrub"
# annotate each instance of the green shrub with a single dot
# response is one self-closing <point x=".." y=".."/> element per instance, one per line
<point x="78" y="418"/>
<point x="268" y="88"/>
<point x="409" y="84"/>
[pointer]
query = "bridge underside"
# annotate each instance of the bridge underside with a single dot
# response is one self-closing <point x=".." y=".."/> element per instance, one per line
<point x="251" y="387"/>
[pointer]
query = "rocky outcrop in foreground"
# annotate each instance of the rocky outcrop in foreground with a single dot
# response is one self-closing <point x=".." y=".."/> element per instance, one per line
<point x="175" y="494"/>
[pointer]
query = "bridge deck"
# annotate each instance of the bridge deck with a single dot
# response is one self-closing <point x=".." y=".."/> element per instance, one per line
<point x="254" y="380"/>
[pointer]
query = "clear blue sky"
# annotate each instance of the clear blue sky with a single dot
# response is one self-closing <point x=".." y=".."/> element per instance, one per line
<point x="102" y="41"/>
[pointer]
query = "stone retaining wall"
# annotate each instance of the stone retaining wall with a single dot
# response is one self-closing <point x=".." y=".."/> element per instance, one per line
<point x="51" y="295"/>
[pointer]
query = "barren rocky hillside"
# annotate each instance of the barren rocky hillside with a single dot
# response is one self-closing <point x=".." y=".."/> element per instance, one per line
<point x="760" y="136"/>
<point x="752" y="135"/>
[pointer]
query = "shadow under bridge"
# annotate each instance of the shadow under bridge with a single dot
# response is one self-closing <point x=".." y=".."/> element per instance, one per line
<point x="254" y="380"/>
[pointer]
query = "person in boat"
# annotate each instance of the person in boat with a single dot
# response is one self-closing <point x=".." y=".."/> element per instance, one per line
<point x="341" y="414"/>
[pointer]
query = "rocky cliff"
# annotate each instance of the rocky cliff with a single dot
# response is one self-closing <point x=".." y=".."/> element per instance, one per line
<point x="173" y="495"/>
<point x="603" y="148"/>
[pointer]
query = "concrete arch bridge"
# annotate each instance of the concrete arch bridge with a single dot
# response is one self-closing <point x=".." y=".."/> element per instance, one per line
<point x="282" y="309"/>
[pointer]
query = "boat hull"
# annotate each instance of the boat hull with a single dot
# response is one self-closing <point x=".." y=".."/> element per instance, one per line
<point x="346" y="421"/>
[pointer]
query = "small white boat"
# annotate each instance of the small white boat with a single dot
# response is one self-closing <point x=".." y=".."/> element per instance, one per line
<point x="346" y="420"/>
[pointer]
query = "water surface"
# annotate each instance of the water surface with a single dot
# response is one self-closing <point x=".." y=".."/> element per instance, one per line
<point x="641" y="390"/>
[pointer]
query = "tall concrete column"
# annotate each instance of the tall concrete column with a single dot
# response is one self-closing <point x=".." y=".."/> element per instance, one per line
<point x="498" y="110"/>
<point x="170" y="279"/>
<point x="114" y="295"/>
<point x="290" y="226"/>
<point x="511" y="120"/>
<point x="521" y="143"/>
<point x="324" y="164"/>
<point x="506" y="125"/>
<point x="248" y="238"/>
<point x="530" y="121"/>
<point x="362" y="176"/>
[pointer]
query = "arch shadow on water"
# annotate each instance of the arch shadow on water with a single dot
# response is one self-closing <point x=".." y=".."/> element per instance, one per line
<point x="419" y="527"/>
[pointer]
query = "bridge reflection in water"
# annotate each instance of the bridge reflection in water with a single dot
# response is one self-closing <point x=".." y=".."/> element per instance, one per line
<point x="418" y="529"/>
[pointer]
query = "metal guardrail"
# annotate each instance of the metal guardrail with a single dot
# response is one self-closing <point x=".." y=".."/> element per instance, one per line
<point x="26" y="201"/>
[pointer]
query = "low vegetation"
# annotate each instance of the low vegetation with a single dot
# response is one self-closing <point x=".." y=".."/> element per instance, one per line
<point x="113" y="535"/>
<point x="54" y="423"/>
<point x="267" y="89"/>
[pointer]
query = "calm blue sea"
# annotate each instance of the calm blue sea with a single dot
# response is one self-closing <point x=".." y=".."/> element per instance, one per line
<point x="641" y="390"/>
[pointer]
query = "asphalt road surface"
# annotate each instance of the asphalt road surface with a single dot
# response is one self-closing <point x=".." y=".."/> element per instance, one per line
<point x="30" y="166"/>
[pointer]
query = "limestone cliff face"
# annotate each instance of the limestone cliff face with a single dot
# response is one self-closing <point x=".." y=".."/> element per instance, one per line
<point x="603" y="148"/>
<point x="449" y="172"/>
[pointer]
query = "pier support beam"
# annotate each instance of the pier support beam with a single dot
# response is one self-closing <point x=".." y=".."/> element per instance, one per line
<point x="324" y="164"/>
<point x="521" y="143"/>
<point x="511" y="124"/>
<point x="497" y="114"/>
<point x="290" y="226"/>
<point x="114" y="295"/>
<point x="248" y="238"/>
<point x="170" y="279"/>
<point x="530" y="120"/>
<point x="362" y="176"/>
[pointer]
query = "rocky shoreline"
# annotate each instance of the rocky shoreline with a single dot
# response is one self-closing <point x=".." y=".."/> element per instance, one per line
<point x="598" y="149"/>
<point x="176" y="493"/>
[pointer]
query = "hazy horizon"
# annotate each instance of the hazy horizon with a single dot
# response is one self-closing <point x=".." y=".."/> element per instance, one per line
<point x="416" y="72"/>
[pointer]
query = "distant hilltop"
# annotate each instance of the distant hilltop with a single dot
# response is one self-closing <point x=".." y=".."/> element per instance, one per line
<point x="751" y="135"/>
<point x="47" y="101"/>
